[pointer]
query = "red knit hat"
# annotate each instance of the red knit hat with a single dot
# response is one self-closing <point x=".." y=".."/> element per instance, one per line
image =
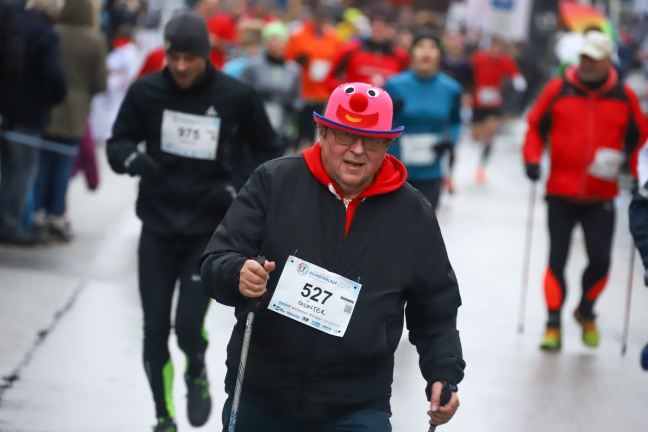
<point x="360" y="108"/>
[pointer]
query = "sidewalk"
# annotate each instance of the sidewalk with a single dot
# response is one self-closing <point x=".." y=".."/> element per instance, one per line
<point x="70" y="322"/>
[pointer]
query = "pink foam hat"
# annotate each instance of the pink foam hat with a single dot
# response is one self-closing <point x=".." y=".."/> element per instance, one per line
<point x="360" y="108"/>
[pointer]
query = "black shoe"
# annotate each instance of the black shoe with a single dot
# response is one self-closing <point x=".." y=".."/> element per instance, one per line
<point x="198" y="399"/>
<point x="165" y="424"/>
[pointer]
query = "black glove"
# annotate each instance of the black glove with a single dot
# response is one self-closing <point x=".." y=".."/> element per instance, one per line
<point x="442" y="146"/>
<point x="141" y="164"/>
<point x="302" y="59"/>
<point x="533" y="171"/>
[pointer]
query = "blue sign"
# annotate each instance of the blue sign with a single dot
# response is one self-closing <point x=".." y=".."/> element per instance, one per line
<point x="502" y="4"/>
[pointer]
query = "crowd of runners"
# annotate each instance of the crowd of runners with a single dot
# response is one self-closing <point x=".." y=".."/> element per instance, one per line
<point x="291" y="167"/>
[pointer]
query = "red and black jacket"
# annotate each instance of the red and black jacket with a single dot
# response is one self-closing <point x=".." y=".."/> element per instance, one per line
<point x="368" y="62"/>
<point x="576" y="122"/>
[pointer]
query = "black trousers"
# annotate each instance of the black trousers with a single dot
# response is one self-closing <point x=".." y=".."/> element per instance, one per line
<point x="163" y="262"/>
<point x="597" y="220"/>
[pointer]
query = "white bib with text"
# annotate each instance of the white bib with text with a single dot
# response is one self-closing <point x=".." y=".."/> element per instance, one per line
<point x="318" y="70"/>
<point x="607" y="164"/>
<point x="418" y="149"/>
<point x="315" y="297"/>
<point x="189" y="135"/>
<point x="489" y="96"/>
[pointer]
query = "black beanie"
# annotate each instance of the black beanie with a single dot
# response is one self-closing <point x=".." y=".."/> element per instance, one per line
<point x="426" y="34"/>
<point x="186" y="32"/>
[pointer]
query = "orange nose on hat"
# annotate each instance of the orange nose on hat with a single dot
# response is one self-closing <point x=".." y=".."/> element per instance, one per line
<point x="360" y="108"/>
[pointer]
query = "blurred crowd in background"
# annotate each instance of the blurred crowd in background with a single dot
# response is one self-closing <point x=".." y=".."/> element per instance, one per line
<point x="80" y="56"/>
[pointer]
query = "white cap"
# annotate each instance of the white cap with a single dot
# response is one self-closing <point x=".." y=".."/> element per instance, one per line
<point x="597" y="45"/>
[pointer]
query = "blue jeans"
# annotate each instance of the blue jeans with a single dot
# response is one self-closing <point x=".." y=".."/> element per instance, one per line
<point x="18" y="166"/>
<point x="252" y="418"/>
<point x="53" y="178"/>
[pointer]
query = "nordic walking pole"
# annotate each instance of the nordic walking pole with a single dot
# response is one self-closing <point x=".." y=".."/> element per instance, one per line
<point x="527" y="257"/>
<point x="626" y="323"/>
<point x="244" y="353"/>
<point x="445" y="398"/>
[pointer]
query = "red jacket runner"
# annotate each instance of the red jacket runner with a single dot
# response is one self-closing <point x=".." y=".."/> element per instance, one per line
<point x="577" y="122"/>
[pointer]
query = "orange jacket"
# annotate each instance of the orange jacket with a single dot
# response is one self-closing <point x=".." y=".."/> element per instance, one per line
<point x="316" y="54"/>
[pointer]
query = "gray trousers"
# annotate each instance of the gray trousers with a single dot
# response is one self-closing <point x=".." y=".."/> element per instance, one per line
<point x="18" y="169"/>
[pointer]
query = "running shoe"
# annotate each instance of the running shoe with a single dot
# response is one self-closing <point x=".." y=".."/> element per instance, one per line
<point x="590" y="332"/>
<point x="551" y="340"/>
<point x="449" y="185"/>
<point x="480" y="175"/>
<point x="198" y="399"/>
<point x="59" y="228"/>
<point x="165" y="424"/>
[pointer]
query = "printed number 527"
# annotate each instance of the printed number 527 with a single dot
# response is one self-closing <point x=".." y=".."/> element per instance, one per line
<point x="313" y="293"/>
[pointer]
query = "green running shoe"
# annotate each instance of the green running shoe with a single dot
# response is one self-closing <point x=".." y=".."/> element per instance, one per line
<point x="551" y="340"/>
<point x="198" y="399"/>
<point x="165" y="424"/>
<point x="590" y="332"/>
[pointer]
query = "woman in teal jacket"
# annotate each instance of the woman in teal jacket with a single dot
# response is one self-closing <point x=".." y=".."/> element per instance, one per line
<point x="427" y="102"/>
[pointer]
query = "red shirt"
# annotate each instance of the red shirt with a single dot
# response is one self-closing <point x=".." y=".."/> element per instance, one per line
<point x="223" y="26"/>
<point x="156" y="60"/>
<point x="365" y="62"/>
<point x="489" y="74"/>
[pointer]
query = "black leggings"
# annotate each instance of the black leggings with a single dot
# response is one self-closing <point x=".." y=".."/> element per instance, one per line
<point x="597" y="221"/>
<point x="162" y="262"/>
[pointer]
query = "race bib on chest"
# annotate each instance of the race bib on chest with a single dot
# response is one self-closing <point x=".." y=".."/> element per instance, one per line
<point x="315" y="297"/>
<point x="489" y="96"/>
<point x="189" y="135"/>
<point x="607" y="164"/>
<point x="418" y="149"/>
<point x="318" y="70"/>
<point x="275" y="114"/>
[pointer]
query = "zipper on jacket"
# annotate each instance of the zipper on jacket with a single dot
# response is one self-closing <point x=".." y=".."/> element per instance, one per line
<point x="590" y="141"/>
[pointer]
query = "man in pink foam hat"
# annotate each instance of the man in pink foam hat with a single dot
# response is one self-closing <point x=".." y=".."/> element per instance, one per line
<point x="350" y="248"/>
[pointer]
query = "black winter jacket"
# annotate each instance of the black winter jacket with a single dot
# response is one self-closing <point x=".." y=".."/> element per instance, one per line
<point x="42" y="82"/>
<point x="188" y="197"/>
<point x="11" y="54"/>
<point x="393" y="247"/>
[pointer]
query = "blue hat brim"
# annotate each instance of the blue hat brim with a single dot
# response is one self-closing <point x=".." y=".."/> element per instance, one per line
<point x="390" y="134"/>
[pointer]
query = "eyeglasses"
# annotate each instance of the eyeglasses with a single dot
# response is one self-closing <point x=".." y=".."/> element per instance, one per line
<point x="369" y="143"/>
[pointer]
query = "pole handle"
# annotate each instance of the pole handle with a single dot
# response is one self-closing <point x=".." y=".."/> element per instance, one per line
<point x="446" y="394"/>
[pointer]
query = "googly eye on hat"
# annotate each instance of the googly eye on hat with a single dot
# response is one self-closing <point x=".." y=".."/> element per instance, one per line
<point x="360" y="108"/>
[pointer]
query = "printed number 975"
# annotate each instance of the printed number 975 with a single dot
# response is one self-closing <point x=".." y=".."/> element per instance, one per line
<point x="188" y="133"/>
<point x="313" y="293"/>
